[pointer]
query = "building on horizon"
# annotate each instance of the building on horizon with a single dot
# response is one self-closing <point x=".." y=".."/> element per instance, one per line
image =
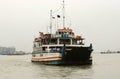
<point x="7" y="50"/>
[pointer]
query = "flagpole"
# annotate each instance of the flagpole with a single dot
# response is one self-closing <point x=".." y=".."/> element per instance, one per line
<point x="50" y="21"/>
<point x="63" y="14"/>
<point x="57" y="23"/>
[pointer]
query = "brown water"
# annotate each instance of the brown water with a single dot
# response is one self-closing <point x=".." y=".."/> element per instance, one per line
<point x="105" y="66"/>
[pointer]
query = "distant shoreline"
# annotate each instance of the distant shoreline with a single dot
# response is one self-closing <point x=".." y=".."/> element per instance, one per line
<point x="110" y="52"/>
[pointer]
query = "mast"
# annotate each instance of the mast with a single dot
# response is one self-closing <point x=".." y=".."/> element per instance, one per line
<point x="63" y="14"/>
<point x="50" y="21"/>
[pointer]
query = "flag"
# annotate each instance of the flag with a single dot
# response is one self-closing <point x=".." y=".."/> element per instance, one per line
<point x="53" y="17"/>
<point x="58" y="16"/>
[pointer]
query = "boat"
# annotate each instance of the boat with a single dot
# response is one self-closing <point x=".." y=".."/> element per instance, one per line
<point x="63" y="47"/>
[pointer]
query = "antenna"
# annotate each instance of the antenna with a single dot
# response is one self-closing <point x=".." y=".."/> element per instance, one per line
<point x="70" y="24"/>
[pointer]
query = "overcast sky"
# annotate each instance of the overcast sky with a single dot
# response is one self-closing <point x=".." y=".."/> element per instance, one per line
<point x="98" y="21"/>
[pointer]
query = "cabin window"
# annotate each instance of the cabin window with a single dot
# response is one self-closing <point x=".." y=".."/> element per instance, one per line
<point x="54" y="41"/>
<point x="60" y="32"/>
<point x="44" y="49"/>
<point x="80" y="42"/>
<point x="36" y="44"/>
<point x="74" y="41"/>
<point x="66" y="41"/>
<point x="54" y="49"/>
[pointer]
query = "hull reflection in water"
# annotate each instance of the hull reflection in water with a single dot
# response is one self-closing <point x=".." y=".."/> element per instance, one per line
<point x="105" y="66"/>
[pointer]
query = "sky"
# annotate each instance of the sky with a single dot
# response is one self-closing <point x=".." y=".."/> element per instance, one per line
<point x="98" y="21"/>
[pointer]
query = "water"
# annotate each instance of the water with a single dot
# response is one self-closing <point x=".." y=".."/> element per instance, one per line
<point x="105" y="66"/>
